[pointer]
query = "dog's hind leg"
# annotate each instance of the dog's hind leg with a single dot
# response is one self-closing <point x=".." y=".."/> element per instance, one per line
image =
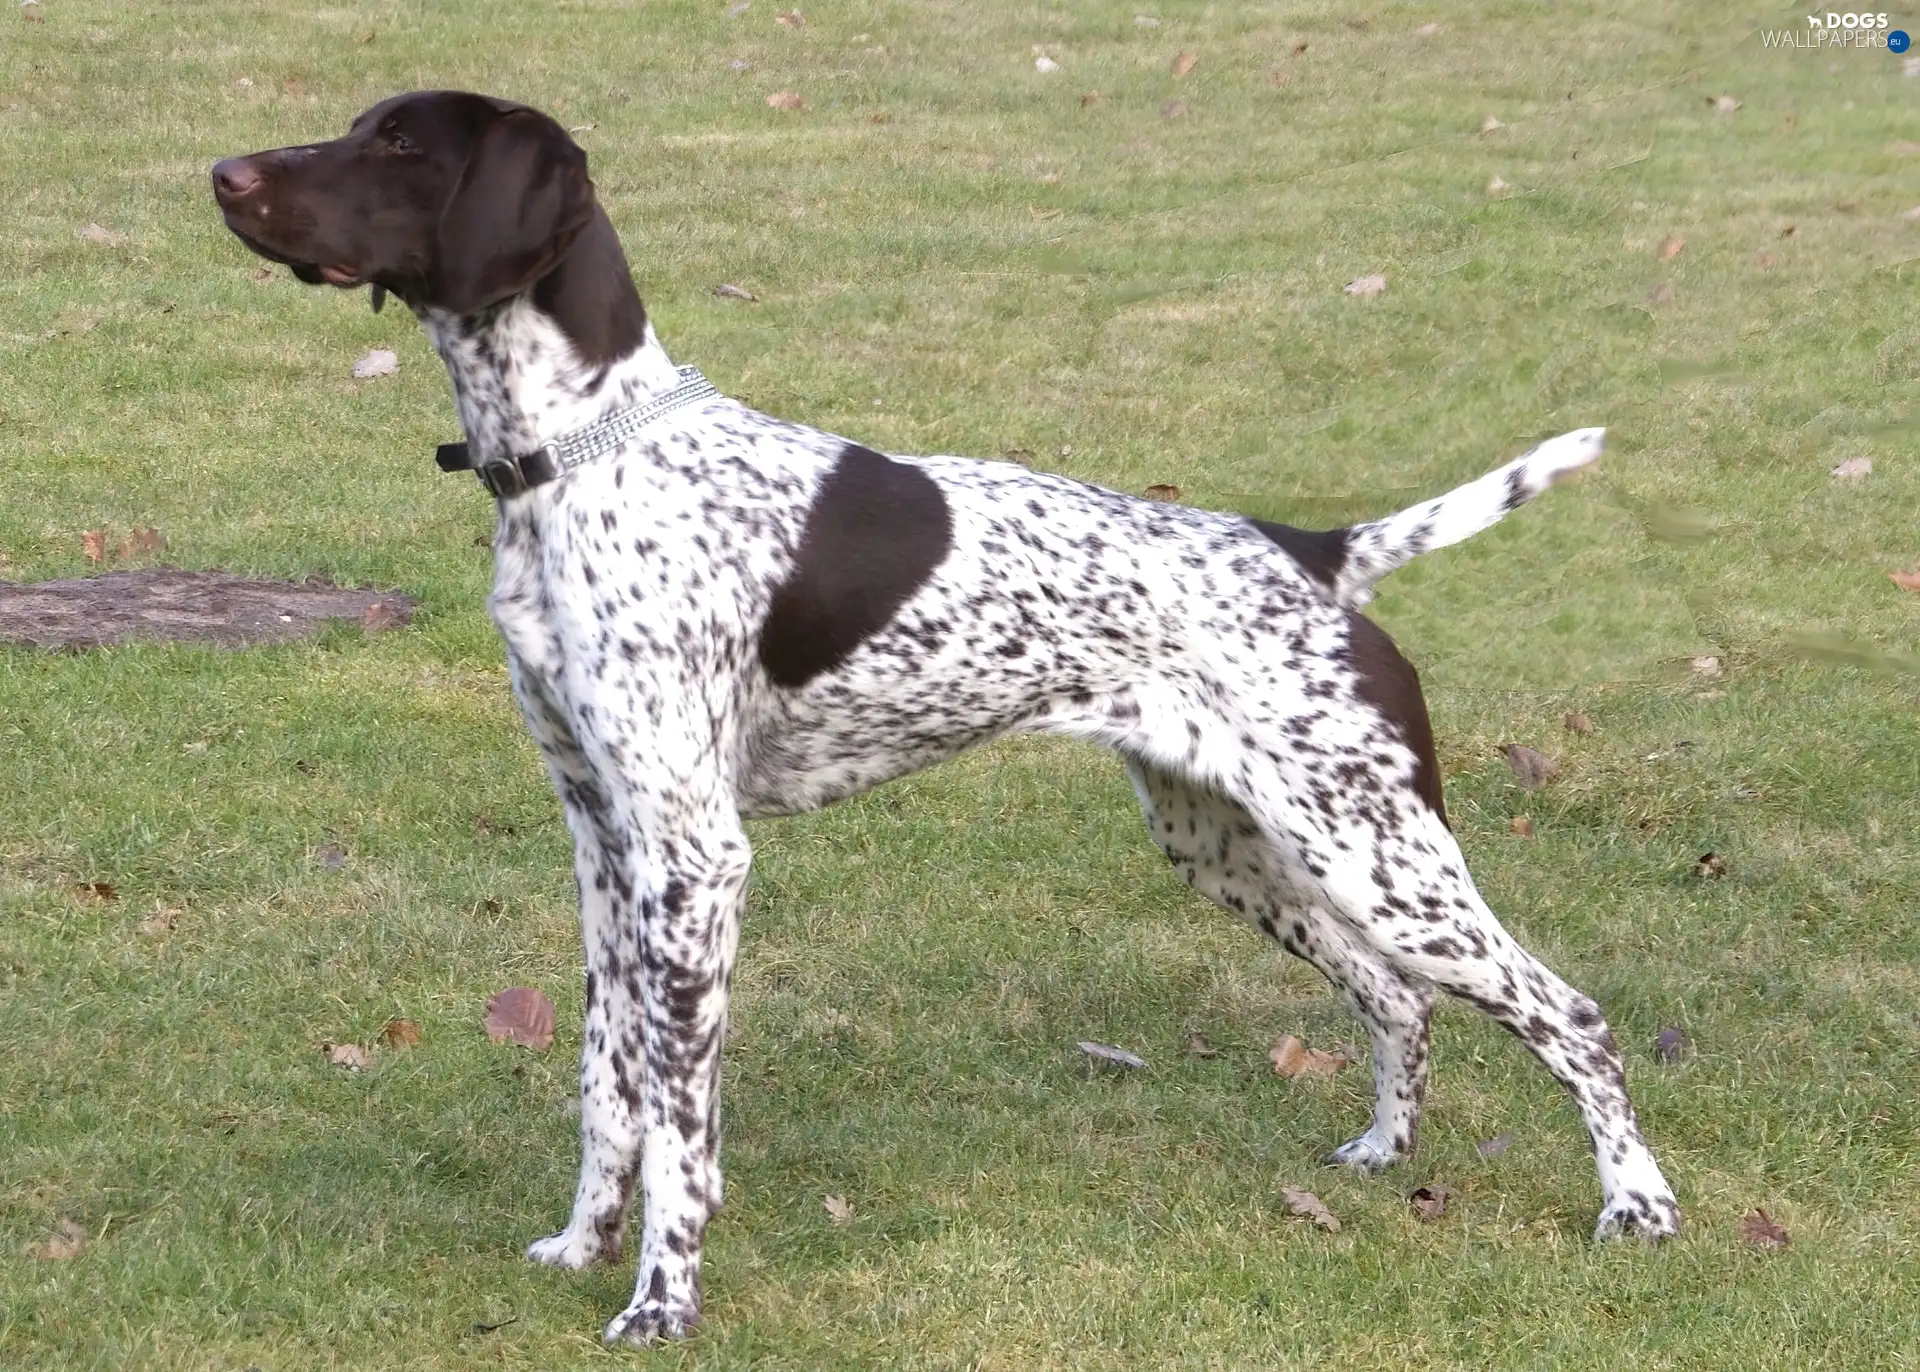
<point x="1218" y="849"/>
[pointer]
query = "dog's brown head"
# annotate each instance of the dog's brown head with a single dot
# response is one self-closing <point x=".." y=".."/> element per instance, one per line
<point x="446" y="199"/>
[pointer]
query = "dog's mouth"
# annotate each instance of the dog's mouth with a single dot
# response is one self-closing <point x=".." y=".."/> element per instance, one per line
<point x="312" y="273"/>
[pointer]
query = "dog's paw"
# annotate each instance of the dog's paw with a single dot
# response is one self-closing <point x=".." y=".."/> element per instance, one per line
<point x="649" y="1322"/>
<point x="567" y="1249"/>
<point x="1363" y="1155"/>
<point x="1637" y="1214"/>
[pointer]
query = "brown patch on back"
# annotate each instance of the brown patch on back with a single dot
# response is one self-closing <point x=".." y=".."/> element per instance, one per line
<point x="1388" y="682"/>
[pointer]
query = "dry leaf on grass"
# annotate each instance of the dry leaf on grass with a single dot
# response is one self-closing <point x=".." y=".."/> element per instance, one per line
<point x="1174" y="109"/>
<point x="1495" y="186"/>
<point x="1090" y="99"/>
<point x="377" y="362"/>
<point x="1162" y="491"/>
<point x="1199" y="1047"/>
<point x="1671" y="1046"/>
<point x="1520" y="827"/>
<point x="791" y="19"/>
<point x="93" y="543"/>
<point x="1106" y="1052"/>
<point x="65" y="1244"/>
<point x="1853" y="469"/>
<point x="736" y="10"/>
<point x="1723" y="104"/>
<point x="1280" y="78"/>
<point x="1531" y="767"/>
<point x="1670" y="247"/>
<point x="839" y="1209"/>
<point x="1292" y="1058"/>
<point x="1429" y="1202"/>
<point x="1762" y="1231"/>
<point x="1426" y="30"/>
<point x="1578" y="722"/>
<point x="522" y="1015"/>
<point x="106" y="238"/>
<point x="1906" y="581"/>
<point x="1706" y="665"/>
<point x="1183" y="64"/>
<point x="1709" y="866"/>
<point x="1365" y="286"/>
<point x="400" y="1033"/>
<point x="786" y="100"/>
<point x="1299" y="47"/>
<point x="1145" y="21"/>
<point x="1491" y="124"/>
<point x="348" y="1055"/>
<point x="1495" y="1146"/>
<point x="99" y="890"/>
<point x="1310" y="1207"/>
<point x="1044" y="63"/>
<point x="330" y="858"/>
<point x="726" y="290"/>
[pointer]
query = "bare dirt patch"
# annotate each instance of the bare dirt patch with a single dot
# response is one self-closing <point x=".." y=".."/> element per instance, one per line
<point x="167" y="605"/>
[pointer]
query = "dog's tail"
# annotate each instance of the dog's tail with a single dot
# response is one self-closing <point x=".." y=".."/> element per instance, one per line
<point x="1369" y="551"/>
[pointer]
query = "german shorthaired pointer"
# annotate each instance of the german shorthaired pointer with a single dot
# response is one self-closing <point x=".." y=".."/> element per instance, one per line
<point x="710" y="613"/>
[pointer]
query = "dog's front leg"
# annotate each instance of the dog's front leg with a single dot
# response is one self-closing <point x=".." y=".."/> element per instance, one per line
<point x="691" y="876"/>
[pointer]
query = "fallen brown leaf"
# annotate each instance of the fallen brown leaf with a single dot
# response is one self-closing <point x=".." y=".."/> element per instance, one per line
<point x="106" y="238"/>
<point x="1299" y="47"/>
<point x="1161" y="491"/>
<point x="1183" y="64"/>
<point x="1787" y="232"/>
<point x="1520" y="827"/>
<point x="521" y="1015"/>
<point x="791" y="19"/>
<point x="348" y="1055"/>
<point x="1491" y="124"/>
<point x="1670" y="247"/>
<point x="880" y="117"/>
<point x="1706" y="665"/>
<point x="1765" y="259"/>
<point x="1089" y="99"/>
<point x="1907" y="148"/>
<point x="1174" y="109"/>
<point x="1661" y="293"/>
<point x="94" y="544"/>
<point x="1310" y="1207"/>
<point x="1426" y="30"/>
<point x="65" y="1244"/>
<point x="331" y="858"/>
<point x="1198" y="1046"/>
<point x="1853" y="469"/>
<point x="1044" y="63"/>
<point x="1430" y="1201"/>
<point x="1292" y="1058"/>
<point x="1906" y="581"/>
<point x="786" y="100"/>
<point x="1671" y="1045"/>
<point x="381" y="616"/>
<point x="1365" y="286"/>
<point x="839" y="1209"/>
<point x="1531" y="767"/>
<point x="1495" y="186"/>
<point x="1723" y="104"/>
<point x="400" y="1033"/>
<point x="1709" y="866"/>
<point x="1762" y="1231"/>
<point x="1495" y="1146"/>
<point x="1280" y="78"/>
<point x="99" y="890"/>
<point x="726" y="290"/>
<point x="1578" y="722"/>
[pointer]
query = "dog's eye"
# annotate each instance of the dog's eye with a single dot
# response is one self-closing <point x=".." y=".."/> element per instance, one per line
<point x="397" y="142"/>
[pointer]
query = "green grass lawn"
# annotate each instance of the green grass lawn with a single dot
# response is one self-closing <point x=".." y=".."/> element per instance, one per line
<point x="953" y="251"/>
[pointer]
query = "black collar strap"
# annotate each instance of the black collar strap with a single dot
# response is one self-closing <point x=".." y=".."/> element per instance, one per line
<point x="550" y="461"/>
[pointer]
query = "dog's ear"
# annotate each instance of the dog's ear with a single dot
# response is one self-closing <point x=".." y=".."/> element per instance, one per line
<point x="523" y="198"/>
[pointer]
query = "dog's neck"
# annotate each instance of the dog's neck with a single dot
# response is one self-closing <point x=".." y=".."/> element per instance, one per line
<point x="572" y="348"/>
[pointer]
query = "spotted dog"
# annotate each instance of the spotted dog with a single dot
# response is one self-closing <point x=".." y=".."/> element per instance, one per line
<point x="714" y="614"/>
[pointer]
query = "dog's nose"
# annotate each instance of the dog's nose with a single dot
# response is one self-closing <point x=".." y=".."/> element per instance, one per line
<point x="234" y="178"/>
